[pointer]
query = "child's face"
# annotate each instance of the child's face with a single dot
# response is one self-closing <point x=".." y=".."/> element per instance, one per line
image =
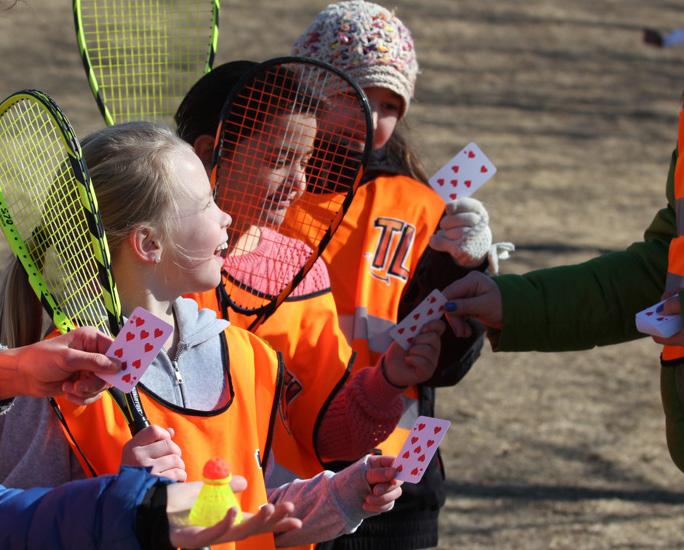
<point x="192" y="259"/>
<point x="267" y="173"/>
<point x="386" y="111"/>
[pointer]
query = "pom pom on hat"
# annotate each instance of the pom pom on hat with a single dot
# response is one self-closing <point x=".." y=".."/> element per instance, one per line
<point x="366" y="41"/>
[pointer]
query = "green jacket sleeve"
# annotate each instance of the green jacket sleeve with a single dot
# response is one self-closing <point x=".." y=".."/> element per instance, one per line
<point x="589" y="304"/>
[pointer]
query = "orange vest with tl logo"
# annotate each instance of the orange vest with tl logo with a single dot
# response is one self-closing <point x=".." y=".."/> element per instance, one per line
<point x="370" y="258"/>
<point x="674" y="355"/>
<point x="240" y="432"/>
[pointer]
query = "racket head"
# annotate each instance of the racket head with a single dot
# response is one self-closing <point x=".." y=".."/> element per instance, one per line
<point x="50" y="216"/>
<point x="141" y="56"/>
<point x="293" y="131"/>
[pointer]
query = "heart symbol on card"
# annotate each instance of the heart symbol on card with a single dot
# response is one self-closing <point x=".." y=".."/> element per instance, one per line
<point x="430" y="442"/>
<point x="411" y="340"/>
<point x="405" y="455"/>
<point x="144" y="334"/>
<point x="129" y="336"/>
<point x="124" y="365"/>
<point x="659" y="318"/>
<point x="414" y="472"/>
<point x="430" y="311"/>
<point x="453" y="183"/>
<point x="126" y="378"/>
<point x="453" y="196"/>
<point x="421" y="426"/>
<point x="118" y="352"/>
<point x="455" y="168"/>
<point x="148" y="347"/>
<point x="418" y="449"/>
<point x="649" y="313"/>
<point x="139" y="321"/>
<point x="413" y="440"/>
<point x="483" y="169"/>
<point x="441" y="308"/>
<point x="468" y="183"/>
<point x="471" y="155"/>
<point x="413" y="328"/>
<point x="136" y="363"/>
<point x="416" y="316"/>
<point x="401" y="331"/>
<point x="400" y="468"/>
<point x="158" y="332"/>
<point x="421" y="458"/>
<point x="440" y="181"/>
<point x="438" y="429"/>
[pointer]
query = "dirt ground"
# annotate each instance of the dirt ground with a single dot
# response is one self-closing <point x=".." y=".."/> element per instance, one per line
<point x="547" y="450"/>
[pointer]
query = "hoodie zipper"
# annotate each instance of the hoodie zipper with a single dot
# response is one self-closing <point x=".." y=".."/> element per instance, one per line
<point x="180" y="348"/>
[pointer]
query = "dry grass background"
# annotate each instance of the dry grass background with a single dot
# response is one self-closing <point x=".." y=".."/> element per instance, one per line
<point x="548" y="450"/>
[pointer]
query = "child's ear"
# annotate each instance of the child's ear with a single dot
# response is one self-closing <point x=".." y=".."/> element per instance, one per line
<point x="204" y="149"/>
<point x="146" y="244"/>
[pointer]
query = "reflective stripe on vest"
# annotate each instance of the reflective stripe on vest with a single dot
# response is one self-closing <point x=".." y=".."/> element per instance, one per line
<point x="240" y="432"/>
<point x="675" y="265"/>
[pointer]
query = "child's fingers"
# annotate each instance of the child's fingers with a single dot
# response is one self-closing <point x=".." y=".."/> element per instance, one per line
<point x="380" y="461"/>
<point x="462" y="220"/>
<point x="158" y="449"/>
<point x="174" y="474"/>
<point x="151" y="434"/>
<point x="383" y="502"/>
<point x="164" y="463"/>
<point x="380" y="475"/>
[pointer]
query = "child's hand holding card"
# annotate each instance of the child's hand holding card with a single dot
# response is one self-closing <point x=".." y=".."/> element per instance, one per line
<point x="464" y="174"/>
<point x="431" y="308"/>
<point x="655" y="323"/>
<point x="420" y="446"/>
<point x="135" y="347"/>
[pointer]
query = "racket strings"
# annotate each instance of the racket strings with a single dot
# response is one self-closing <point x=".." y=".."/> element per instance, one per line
<point x="44" y="203"/>
<point x="292" y="134"/>
<point x="146" y="54"/>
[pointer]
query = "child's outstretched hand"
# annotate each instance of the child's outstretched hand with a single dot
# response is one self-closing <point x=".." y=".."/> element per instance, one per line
<point x="384" y="488"/>
<point x="154" y="448"/>
<point x="269" y="518"/>
<point x="418" y="363"/>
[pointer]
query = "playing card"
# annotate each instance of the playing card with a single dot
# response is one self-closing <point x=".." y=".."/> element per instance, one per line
<point x="649" y="321"/>
<point x="419" y="448"/>
<point x="136" y="346"/>
<point x="430" y="308"/>
<point x="464" y="174"/>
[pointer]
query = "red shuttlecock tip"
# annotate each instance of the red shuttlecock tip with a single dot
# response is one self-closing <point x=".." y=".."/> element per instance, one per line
<point x="216" y="468"/>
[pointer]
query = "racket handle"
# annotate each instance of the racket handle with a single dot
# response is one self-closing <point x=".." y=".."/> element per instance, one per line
<point x="130" y="405"/>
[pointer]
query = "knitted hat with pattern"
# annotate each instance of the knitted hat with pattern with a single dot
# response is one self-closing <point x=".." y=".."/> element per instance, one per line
<point x="366" y="41"/>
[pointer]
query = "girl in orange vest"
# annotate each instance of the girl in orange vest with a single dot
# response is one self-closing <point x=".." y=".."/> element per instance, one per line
<point x="392" y="220"/>
<point x="305" y="328"/>
<point x="214" y="389"/>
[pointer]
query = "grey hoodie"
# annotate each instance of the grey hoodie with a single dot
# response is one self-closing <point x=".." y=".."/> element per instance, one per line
<point x="192" y="377"/>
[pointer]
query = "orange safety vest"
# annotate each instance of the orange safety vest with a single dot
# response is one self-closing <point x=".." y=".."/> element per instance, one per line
<point x="674" y="355"/>
<point x="370" y="259"/>
<point x="240" y="432"/>
<point x="317" y="357"/>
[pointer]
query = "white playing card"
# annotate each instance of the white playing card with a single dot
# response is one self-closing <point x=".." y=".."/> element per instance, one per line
<point x="649" y="321"/>
<point x="430" y="308"/>
<point x="464" y="174"/>
<point x="419" y="448"/>
<point x="136" y="346"/>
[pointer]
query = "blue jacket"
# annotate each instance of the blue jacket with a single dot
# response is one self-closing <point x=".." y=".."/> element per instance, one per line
<point x="91" y="513"/>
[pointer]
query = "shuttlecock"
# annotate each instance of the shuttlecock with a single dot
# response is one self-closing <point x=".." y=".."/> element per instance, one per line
<point x="216" y="496"/>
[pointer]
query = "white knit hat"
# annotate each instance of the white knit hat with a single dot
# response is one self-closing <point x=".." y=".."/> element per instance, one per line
<point x="366" y="41"/>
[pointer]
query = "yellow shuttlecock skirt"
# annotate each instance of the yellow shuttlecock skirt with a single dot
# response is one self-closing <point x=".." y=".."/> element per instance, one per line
<point x="215" y="499"/>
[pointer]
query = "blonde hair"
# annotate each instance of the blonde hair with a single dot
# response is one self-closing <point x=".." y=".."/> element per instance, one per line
<point x="131" y="171"/>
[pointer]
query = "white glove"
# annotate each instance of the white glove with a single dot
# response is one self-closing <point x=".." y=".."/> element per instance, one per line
<point x="465" y="234"/>
<point x="498" y="251"/>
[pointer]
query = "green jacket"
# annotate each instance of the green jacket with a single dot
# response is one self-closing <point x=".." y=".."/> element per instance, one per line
<point x="593" y="304"/>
